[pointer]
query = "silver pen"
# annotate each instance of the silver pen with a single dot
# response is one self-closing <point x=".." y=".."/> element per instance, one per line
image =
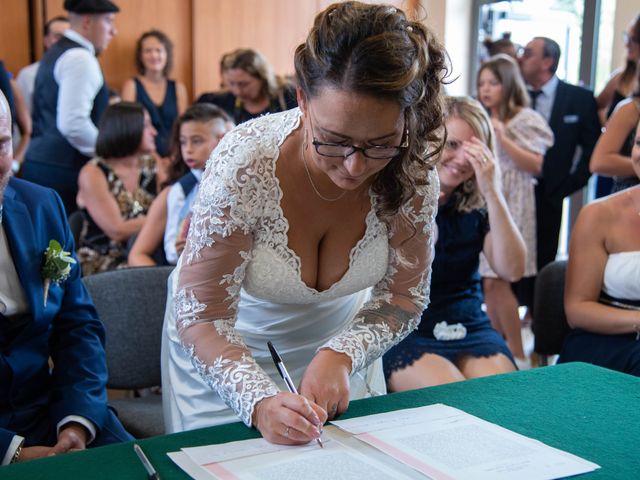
<point x="151" y="472"/>
<point x="285" y="376"/>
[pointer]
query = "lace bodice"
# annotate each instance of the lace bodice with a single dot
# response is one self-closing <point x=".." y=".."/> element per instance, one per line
<point x="237" y="248"/>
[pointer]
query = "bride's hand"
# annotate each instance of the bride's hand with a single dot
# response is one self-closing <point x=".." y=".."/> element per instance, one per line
<point x="326" y="381"/>
<point x="288" y="419"/>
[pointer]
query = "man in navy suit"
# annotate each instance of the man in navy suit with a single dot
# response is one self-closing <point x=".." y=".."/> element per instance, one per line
<point x="45" y="410"/>
<point x="572" y="114"/>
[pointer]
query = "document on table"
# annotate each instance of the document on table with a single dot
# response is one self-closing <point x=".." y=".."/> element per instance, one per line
<point x="436" y="441"/>
<point x="446" y="443"/>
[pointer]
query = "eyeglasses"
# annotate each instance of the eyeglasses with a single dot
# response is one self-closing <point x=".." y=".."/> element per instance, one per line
<point x="629" y="39"/>
<point x="376" y="152"/>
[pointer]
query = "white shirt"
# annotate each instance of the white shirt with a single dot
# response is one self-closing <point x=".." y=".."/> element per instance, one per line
<point x="79" y="79"/>
<point x="26" y="80"/>
<point x="175" y="203"/>
<point x="544" y="102"/>
<point x="12" y="302"/>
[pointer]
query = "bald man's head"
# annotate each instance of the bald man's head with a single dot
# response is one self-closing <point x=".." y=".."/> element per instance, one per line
<point x="6" y="147"/>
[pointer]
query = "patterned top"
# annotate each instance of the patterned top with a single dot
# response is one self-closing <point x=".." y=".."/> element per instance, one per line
<point x="98" y="252"/>
<point x="529" y="130"/>
<point x="237" y="256"/>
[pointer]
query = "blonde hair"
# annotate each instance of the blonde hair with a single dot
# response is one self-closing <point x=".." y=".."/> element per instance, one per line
<point x="467" y="196"/>
<point x="514" y="91"/>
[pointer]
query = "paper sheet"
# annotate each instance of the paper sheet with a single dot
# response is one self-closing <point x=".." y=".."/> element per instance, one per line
<point x="437" y="442"/>
<point x="447" y="443"/>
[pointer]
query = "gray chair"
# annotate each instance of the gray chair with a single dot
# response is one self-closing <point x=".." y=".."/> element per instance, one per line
<point x="131" y="303"/>
<point x="549" y="325"/>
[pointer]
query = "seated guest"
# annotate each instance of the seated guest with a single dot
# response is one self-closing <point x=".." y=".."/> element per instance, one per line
<point x="455" y="340"/>
<point x="254" y="90"/>
<point x="197" y="132"/>
<point x="116" y="188"/>
<point x="45" y="411"/>
<point x="162" y="97"/>
<point x="602" y="292"/>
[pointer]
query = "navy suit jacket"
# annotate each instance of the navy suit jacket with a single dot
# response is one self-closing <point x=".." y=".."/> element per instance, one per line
<point x="574" y="121"/>
<point x="34" y="398"/>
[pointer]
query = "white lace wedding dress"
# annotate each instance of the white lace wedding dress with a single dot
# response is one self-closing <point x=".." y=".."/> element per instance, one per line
<point x="238" y="275"/>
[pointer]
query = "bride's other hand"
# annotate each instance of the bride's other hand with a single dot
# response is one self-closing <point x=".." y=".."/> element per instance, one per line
<point x="326" y="382"/>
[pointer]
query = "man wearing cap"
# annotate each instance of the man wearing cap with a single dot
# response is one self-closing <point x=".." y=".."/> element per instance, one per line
<point x="45" y="410"/>
<point x="69" y="98"/>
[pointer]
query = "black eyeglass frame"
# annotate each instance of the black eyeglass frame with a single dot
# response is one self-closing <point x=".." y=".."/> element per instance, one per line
<point x="351" y="149"/>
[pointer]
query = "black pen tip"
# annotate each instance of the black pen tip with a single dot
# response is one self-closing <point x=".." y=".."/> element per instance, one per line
<point x="274" y="354"/>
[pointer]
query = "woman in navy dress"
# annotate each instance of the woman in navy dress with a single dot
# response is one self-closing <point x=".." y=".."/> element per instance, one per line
<point x="163" y="98"/>
<point x="455" y="340"/>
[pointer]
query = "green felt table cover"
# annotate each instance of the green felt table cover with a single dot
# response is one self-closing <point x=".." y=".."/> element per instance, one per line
<point x="586" y="410"/>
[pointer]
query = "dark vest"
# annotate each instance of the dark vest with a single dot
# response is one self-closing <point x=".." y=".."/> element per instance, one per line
<point x="188" y="181"/>
<point x="48" y="145"/>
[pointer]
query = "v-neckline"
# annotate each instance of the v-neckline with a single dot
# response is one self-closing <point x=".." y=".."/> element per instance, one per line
<point x="369" y="221"/>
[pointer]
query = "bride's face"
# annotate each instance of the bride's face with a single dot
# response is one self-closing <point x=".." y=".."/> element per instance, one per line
<point x="344" y="119"/>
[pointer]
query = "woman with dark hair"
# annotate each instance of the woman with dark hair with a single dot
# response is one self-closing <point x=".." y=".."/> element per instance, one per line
<point x="162" y="97"/>
<point x="253" y="88"/>
<point x="298" y="215"/>
<point x="623" y="81"/>
<point x="116" y="188"/>
<point x="455" y="340"/>
<point x="610" y="157"/>
<point x="612" y="154"/>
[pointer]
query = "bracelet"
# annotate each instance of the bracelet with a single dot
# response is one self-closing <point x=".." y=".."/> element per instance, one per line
<point x="16" y="455"/>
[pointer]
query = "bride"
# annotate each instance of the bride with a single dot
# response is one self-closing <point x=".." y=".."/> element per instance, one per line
<point x="299" y="213"/>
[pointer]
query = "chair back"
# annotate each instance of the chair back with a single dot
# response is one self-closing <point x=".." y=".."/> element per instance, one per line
<point x="550" y="325"/>
<point x="131" y="304"/>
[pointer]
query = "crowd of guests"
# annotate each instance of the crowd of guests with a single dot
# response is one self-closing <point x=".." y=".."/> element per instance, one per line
<point x="425" y="208"/>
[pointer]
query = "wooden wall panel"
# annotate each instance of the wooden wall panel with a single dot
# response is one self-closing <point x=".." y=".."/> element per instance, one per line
<point x="14" y="34"/>
<point x="225" y="25"/>
<point x="274" y="27"/>
<point x="137" y="16"/>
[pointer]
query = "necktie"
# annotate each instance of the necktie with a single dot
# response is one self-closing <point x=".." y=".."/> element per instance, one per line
<point x="534" y="94"/>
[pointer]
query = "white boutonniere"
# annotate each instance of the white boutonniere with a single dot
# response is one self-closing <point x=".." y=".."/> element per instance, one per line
<point x="57" y="266"/>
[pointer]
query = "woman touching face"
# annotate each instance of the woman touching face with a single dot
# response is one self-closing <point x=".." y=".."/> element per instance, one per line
<point x="455" y="168"/>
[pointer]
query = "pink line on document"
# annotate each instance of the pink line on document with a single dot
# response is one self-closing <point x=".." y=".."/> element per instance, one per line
<point x="220" y="471"/>
<point x="408" y="459"/>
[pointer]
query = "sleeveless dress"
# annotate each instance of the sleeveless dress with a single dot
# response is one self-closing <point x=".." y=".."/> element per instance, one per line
<point x="620" y="288"/>
<point x="529" y="130"/>
<point x="97" y="252"/>
<point x="454" y="325"/>
<point x="238" y="275"/>
<point x="162" y="116"/>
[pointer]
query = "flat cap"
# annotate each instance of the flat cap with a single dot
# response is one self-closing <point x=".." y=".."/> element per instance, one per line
<point x="90" y="6"/>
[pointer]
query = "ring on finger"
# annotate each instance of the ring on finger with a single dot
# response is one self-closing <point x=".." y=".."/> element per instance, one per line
<point x="334" y="409"/>
<point x="286" y="432"/>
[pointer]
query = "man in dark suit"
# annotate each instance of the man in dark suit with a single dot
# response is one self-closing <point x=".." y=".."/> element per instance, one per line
<point x="48" y="410"/>
<point x="572" y="114"/>
<point x="69" y="98"/>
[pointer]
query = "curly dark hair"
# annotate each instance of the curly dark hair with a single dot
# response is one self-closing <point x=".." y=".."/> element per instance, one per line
<point x="375" y="50"/>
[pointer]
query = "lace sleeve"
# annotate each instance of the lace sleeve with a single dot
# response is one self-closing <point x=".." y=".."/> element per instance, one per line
<point x="212" y="269"/>
<point x="398" y="300"/>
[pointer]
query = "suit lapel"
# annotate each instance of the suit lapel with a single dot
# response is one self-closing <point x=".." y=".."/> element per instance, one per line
<point x="559" y="107"/>
<point x="27" y="258"/>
